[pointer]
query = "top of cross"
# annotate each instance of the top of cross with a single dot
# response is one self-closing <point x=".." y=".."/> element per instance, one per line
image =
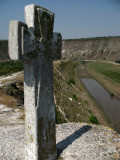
<point x="40" y="21"/>
<point x="27" y="40"/>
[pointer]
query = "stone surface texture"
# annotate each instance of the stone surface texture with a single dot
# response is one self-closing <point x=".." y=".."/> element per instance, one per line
<point x="106" y="48"/>
<point x="36" y="45"/>
<point x="75" y="141"/>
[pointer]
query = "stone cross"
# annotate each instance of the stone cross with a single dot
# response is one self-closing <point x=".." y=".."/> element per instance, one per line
<point x="37" y="45"/>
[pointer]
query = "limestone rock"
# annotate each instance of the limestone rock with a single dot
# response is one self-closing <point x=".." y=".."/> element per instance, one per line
<point x="75" y="141"/>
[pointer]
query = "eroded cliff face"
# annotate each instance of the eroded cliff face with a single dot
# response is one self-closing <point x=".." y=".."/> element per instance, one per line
<point x="100" y="48"/>
<point x="103" y="48"/>
<point x="4" y="51"/>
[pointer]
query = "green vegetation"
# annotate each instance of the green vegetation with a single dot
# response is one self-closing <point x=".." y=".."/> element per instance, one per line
<point x="71" y="81"/>
<point x="112" y="94"/>
<point x="16" y="90"/>
<point x="112" y="75"/>
<point x="59" y="158"/>
<point x="107" y="74"/>
<point x="117" y="61"/>
<point x="59" y="117"/>
<point x="79" y="109"/>
<point x="10" y="67"/>
<point x="63" y="64"/>
<point x="4" y="45"/>
<point x="75" y="97"/>
<point x="109" y="70"/>
<point x="93" y="38"/>
<point x="90" y="112"/>
<point x="93" y="119"/>
<point x="56" y="83"/>
<point x="73" y="103"/>
<point x="86" y="101"/>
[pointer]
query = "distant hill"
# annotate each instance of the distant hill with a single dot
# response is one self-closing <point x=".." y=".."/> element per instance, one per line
<point x="99" y="48"/>
<point x="4" y="51"/>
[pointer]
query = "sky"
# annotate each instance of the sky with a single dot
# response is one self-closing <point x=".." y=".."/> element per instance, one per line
<point x="73" y="18"/>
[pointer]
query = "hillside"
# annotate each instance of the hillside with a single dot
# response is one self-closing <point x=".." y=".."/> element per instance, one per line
<point x="73" y="104"/>
<point x="99" y="48"/>
<point x="75" y="140"/>
<point x="4" y="51"/>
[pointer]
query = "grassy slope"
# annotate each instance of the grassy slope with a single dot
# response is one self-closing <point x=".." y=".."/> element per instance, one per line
<point x="10" y="67"/>
<point x="73" y="103"/>
<point x="71" y="97"/>
<point x="107" y="74"/>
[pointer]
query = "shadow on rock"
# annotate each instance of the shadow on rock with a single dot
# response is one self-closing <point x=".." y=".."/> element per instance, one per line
<point x="70" y="139"/>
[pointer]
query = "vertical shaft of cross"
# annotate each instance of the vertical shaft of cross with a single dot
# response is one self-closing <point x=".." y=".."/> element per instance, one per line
<point x="39" y="109"/>
<point x="31" y="146"/>
<point x="41" y="72"/>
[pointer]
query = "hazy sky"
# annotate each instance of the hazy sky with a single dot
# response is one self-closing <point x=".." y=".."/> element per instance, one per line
<point x="73" y="18"/>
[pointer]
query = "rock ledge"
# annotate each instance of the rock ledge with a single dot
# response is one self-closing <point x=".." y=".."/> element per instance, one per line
<point x="75" y="141"/>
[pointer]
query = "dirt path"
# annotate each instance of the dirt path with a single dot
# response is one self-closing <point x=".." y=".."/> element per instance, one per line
<point x="10" y="116"/>
<point x="10" y="78"/>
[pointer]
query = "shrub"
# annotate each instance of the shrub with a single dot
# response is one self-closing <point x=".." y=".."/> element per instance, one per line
<point x="74" y="65"/>
<point x="93" y="119"/>
<point x="86" y="101"/>
<point x="63" y="65"/>
<point x="10" y="67"/>
<point x="75" y="97"/>
<point x="112" y="94"/>
<point x="102" y="51"/>
<point x="90" y="112"/>
<point x="15" y="91"/>
<point x="59" y="118"/>
<point x="117" y="61"/>
<point x="71" y="81"/>
<point x="64" y="58"/>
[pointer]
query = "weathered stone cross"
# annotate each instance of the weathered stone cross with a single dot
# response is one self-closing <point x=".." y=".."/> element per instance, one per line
<point x="37" y="45"/>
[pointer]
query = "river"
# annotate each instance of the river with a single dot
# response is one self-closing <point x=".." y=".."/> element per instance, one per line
<point x="109" y="105"/>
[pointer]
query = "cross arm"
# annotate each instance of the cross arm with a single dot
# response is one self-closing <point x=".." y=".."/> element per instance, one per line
<point x="56" y="46"/>
<point x="15" y="39"/>
<point x="21" y="42"/>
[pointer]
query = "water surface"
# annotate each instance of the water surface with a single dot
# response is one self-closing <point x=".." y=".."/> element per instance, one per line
<point x="109" y="105"/>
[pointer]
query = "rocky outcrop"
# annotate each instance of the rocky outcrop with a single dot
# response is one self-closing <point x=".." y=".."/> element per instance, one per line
<point x="75" y="141"/>
<point x="101" y="48"/>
